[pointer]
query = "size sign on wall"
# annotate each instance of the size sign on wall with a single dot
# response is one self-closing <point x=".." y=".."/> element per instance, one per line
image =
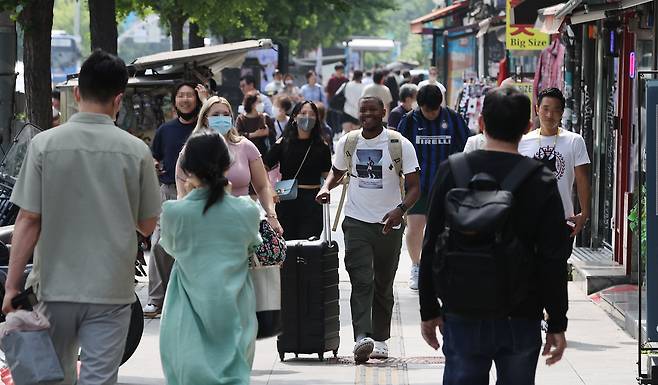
<point x="523" y="36"/>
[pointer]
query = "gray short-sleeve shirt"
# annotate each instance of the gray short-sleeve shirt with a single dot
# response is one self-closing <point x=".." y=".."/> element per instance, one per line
<point x="91" y="182"/>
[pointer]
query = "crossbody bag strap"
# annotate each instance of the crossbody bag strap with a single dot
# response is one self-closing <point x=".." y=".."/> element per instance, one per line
<point x="304" y="160"/>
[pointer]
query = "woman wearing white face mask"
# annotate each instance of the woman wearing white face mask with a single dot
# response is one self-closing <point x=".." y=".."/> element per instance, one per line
<point x="256" y="125"/>
<point x="247" y="167"/>
<point x="302" y="154"/>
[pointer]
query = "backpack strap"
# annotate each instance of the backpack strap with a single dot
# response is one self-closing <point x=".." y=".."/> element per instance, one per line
<point x="519" y="174"/>
<point x="348" y="152"/>
<point x="395" y="151"/>
<point x="461" y="171"/>
<point x="350" y="148"/>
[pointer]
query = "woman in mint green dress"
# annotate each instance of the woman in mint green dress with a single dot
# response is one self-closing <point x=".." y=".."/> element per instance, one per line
<point x="208" y="328"/>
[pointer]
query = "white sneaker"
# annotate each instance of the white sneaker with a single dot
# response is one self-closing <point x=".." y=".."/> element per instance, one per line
<point x="413" y="277"/>
<point x="380" y="350"/>
<point x="362" y="350"/>
<point x="151" y="311"/>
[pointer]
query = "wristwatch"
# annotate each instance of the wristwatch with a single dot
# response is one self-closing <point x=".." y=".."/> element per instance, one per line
<point x="403" y="207"/>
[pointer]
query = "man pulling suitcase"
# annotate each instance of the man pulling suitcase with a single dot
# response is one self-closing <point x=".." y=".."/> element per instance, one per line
<point x="373" y="225"/>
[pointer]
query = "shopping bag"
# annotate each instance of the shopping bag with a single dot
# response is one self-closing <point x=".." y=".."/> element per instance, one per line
<point x="31" y="357"/>
<point x="267" y="287"/>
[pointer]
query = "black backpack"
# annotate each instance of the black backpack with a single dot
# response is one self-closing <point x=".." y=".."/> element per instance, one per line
<point x="482" y="268"/>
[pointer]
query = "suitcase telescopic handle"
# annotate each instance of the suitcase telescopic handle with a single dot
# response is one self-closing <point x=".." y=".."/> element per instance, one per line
<point x="326" y="220"/>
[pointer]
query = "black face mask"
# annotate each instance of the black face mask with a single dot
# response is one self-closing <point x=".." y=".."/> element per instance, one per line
<point x="187" y="115"/>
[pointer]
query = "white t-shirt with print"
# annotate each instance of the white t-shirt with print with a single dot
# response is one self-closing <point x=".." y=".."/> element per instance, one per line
<point x="374" y="187"/>
<point x="474" y="143"/>
<point x="561" y="154"/>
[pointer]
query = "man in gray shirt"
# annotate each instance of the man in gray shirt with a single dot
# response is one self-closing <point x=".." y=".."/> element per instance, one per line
<point x="83" y="190"/>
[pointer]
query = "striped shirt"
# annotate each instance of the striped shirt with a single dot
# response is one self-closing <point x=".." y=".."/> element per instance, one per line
<point x="434" y="140"/>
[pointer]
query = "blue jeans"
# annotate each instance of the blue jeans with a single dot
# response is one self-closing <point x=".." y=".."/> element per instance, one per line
<point x="470" y="346"/>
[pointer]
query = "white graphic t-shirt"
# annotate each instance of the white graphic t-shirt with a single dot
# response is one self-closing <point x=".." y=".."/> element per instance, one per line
<point x="561" y="154"/>
<point x="374" y="188"/>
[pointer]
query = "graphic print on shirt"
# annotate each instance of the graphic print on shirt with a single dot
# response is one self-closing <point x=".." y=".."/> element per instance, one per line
<point x="369" y="168"/>
<point x="551" y="159"/>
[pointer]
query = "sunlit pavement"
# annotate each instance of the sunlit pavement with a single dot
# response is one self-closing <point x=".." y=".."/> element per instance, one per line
<point x="599" y="352"/>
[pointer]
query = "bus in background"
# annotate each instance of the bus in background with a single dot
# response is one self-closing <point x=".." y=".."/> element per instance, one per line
<point x="64" y="56"/>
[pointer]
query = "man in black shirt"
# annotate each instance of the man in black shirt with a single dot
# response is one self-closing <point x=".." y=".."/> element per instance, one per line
<point x="167" y="144"/>
<point x="408" y="94"/>
<point x="512" y="341"/>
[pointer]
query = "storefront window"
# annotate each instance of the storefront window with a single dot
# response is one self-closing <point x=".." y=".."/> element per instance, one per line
<point x="644" y="54"/>
<point x="463" y="64"/>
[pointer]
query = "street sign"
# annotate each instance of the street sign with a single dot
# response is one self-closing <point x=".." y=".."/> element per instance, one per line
<point x="651" y="130"/>
<point x="523" y="37"/>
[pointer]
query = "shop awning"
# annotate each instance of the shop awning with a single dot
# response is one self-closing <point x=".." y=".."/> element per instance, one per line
<point x="490" y="24"/>
<point x="594" y="12"/>
<point x="525" y="11"/>
<point x="222" y="55"/>
<point x="548" y="21"/>
<point x="417" y="24"/>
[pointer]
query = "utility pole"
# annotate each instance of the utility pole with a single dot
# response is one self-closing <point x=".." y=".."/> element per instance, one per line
<point x="7" y="75"/>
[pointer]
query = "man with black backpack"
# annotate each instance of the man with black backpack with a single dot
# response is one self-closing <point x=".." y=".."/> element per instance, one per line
<point x="495" y="255"/>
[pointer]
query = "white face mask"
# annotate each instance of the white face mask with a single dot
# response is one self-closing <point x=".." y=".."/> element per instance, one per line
<point x="414" y="105"/>
<point x="275" y="111"/>
<point x="260" y="108"/>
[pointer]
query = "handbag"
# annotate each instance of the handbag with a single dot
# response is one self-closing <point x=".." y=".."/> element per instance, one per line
<point x="273" y="249"/>
<point x="287" y="189"/>
<point x="267" y="288"/>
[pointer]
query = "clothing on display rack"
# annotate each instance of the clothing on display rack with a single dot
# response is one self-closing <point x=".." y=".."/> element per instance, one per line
<point x="549" y="68"/>
<point x="471" y="99"/>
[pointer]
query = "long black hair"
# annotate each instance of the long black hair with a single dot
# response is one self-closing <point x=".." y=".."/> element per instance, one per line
<point x="290" y="132"/>
<point x="208" y="158"/>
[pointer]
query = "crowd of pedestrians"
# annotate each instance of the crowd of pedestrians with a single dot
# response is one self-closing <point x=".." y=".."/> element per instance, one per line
<point x="407" y="166"/>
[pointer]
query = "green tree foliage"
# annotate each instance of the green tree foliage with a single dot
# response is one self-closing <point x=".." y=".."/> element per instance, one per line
<point x="64" y="20"/>
<point x="397" y="24"/>
<point x="304" y="24"/>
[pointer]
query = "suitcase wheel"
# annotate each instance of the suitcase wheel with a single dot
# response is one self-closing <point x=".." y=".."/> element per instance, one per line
<point x="282" y="356"/>
<point x="321" y="356"/>
<point x="335" y="353"/>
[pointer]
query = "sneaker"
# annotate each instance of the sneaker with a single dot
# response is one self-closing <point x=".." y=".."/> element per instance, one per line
<point x="413" y="277"/>
<point x="362" y="350"/>
<point x="151" y="311"/>
<point x="380" y="350"/>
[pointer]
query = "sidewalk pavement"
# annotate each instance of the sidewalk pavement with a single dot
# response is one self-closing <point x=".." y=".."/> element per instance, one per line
<point x="598" y="353"/>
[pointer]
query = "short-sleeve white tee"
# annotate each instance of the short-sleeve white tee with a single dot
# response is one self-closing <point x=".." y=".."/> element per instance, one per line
<point x="561" y="154"/>
<point x="374" y="187"/>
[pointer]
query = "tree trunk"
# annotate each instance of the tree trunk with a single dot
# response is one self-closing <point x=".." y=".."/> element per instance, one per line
<point x="176" y="28"/>
<point x="7" y="78"/>
<point x="37" y="20"/>
<point x="103" y="25"/>
<point x="196" y="37"/>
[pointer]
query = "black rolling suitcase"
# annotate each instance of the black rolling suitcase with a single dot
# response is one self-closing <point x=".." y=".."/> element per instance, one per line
<point x="309" y="296"/>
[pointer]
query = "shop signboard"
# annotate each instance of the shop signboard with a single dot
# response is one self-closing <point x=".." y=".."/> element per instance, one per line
<point x="523" y="37"/>
<point x="651" y="130"/>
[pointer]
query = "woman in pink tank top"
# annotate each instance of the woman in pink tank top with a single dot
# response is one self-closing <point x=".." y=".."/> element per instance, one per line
<point x="247" y="167"/>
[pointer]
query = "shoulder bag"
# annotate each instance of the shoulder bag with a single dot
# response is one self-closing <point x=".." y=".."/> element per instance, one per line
<point x="287" y="189"/>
